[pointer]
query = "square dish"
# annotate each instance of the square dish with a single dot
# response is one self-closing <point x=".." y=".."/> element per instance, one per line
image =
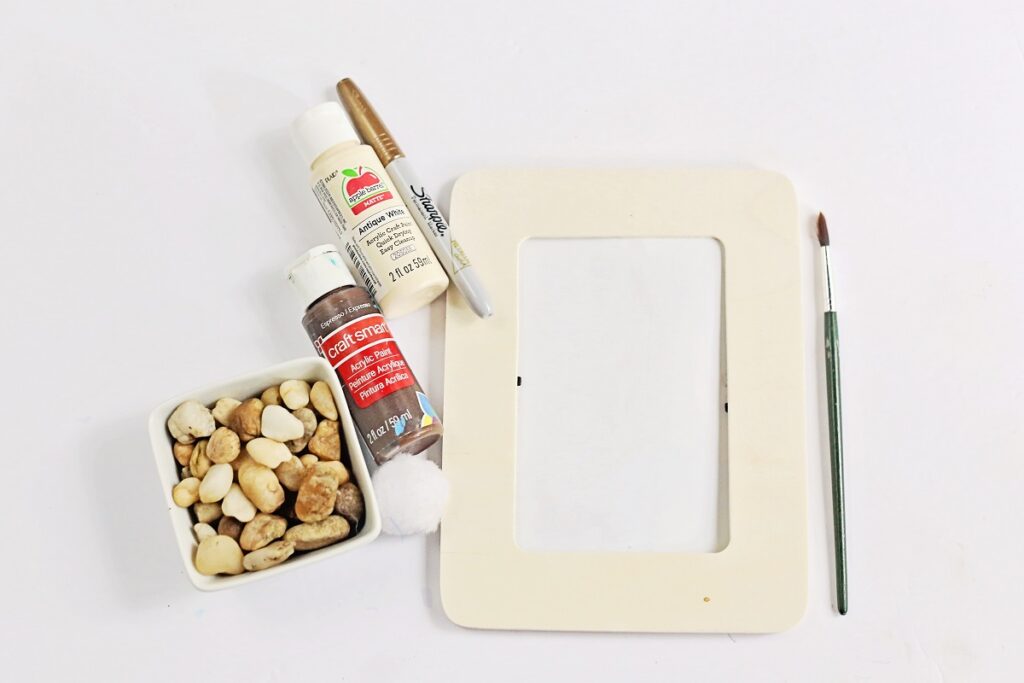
<point x="309" y="369"/>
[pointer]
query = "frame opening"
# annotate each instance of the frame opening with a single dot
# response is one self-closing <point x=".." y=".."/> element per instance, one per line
<point x="621" y="398"/>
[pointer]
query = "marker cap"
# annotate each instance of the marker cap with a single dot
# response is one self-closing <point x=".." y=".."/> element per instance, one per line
<point x="367" y="122"/>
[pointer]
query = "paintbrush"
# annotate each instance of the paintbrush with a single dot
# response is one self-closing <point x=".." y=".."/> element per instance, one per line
<point x="835" y="419"/>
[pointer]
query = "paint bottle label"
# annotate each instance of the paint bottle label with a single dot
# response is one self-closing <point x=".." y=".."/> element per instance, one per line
<point x="367" y="359"/>
<point x="380" y="239"/>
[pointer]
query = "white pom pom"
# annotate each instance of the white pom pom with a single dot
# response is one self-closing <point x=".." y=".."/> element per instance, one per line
<point x="411" y="492"/>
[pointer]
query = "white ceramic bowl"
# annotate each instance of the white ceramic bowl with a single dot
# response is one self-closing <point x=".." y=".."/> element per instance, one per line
<point x="309" y="369"/>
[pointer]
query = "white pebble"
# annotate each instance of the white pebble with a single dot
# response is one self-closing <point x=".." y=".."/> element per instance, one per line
<point x="323" y="400"/>
<point x="192" y="420"/>
<point x="203" y="530"/>
<point x="280" y="425"/>
<point x="268" y="452"/>
<point x="219" y="555"/>
<point x="295" y="393"/>
<point x="216" y="483"/>
<point x="237" y="505"/>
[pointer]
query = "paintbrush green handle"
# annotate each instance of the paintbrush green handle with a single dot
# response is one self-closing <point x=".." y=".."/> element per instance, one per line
<point x="835" y="440"/>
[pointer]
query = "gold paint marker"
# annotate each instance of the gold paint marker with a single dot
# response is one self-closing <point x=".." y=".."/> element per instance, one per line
<point x="424" y="208"/>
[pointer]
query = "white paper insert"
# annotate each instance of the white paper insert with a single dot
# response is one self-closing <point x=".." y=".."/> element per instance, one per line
<point x="620" y="404"/>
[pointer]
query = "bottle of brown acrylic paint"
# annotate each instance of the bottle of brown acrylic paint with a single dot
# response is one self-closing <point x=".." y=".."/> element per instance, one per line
<point x="345" y="325"/>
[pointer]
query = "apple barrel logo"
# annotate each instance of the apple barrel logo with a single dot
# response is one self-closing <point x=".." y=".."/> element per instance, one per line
<point x="363" y="188"/>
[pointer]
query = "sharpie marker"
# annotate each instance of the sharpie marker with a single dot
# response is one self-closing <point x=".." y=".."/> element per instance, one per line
<point x="424" y="208"/>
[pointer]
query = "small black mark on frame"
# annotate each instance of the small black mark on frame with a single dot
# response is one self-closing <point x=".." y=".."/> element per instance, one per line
<point x="727" y="407"/>
<point x="519" y="381"/>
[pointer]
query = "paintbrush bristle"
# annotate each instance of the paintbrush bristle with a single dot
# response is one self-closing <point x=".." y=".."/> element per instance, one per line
<point x="822" y="230"/>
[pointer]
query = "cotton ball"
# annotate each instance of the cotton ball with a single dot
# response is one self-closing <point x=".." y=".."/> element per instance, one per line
<point x="411" y="492"/>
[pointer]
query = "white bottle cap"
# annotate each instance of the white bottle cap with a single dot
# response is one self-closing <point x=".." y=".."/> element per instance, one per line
<point x="321" y="128"/>
<point x="317" y="272"/>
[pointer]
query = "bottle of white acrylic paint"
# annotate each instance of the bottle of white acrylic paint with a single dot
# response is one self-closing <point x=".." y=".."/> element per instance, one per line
<point x="380" y="240"/>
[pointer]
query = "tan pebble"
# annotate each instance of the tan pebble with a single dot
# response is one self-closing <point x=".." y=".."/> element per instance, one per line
<point x="337" y="470"/>
<point x="313" y="535"/>
<point x="203" y="530"/>
<point x="268" y="452"/>
<point x="308" y="460"/>
<point x="198" y="462"/>
<point x="223" y="408"/>
<point x="349" y="503"/>
<point x="323" y="400"/>
<point x="237" y="505"/>
<point x="185" y="473"/>
<point x="219" y="555"/>
<point x="186" y="492"/>
<point x="295" y="393"/>
<point x="247" y="464"/>
<point x="290" y="473"/>
<point x="308" y="419"/>
<point x="223" y="446"/>
<point x="207" y="512"/>
<point x="271" y="396"/>
<point x="261" y="486"/>
<point x="190" y="421"/>
<point x="267" y="557"/>
<point x="229" y="526"/>
<point x="245" y="419"/>
<point x="241" y="461"/>
<point x="316" y="495"/>
<point x="326" y="442"/>
<point x="261" y="531"/>
<point x="182" y="452"/>
<point x="280" y="425"/>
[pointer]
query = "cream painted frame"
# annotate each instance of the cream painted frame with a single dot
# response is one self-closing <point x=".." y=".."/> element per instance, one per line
<point x="758" y="582"/>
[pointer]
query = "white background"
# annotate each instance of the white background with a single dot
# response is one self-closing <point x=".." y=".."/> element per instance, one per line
<point x="150" y="198"/>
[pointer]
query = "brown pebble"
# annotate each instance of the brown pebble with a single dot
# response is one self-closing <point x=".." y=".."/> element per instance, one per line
<point x="229" y="526"/>
<point x="349" y="503"/>
<point x="317" y="494"/>
<point x="247" y="419"/>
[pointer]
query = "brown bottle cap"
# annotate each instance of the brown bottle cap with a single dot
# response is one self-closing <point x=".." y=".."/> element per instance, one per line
<point x="369" y="126"/>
